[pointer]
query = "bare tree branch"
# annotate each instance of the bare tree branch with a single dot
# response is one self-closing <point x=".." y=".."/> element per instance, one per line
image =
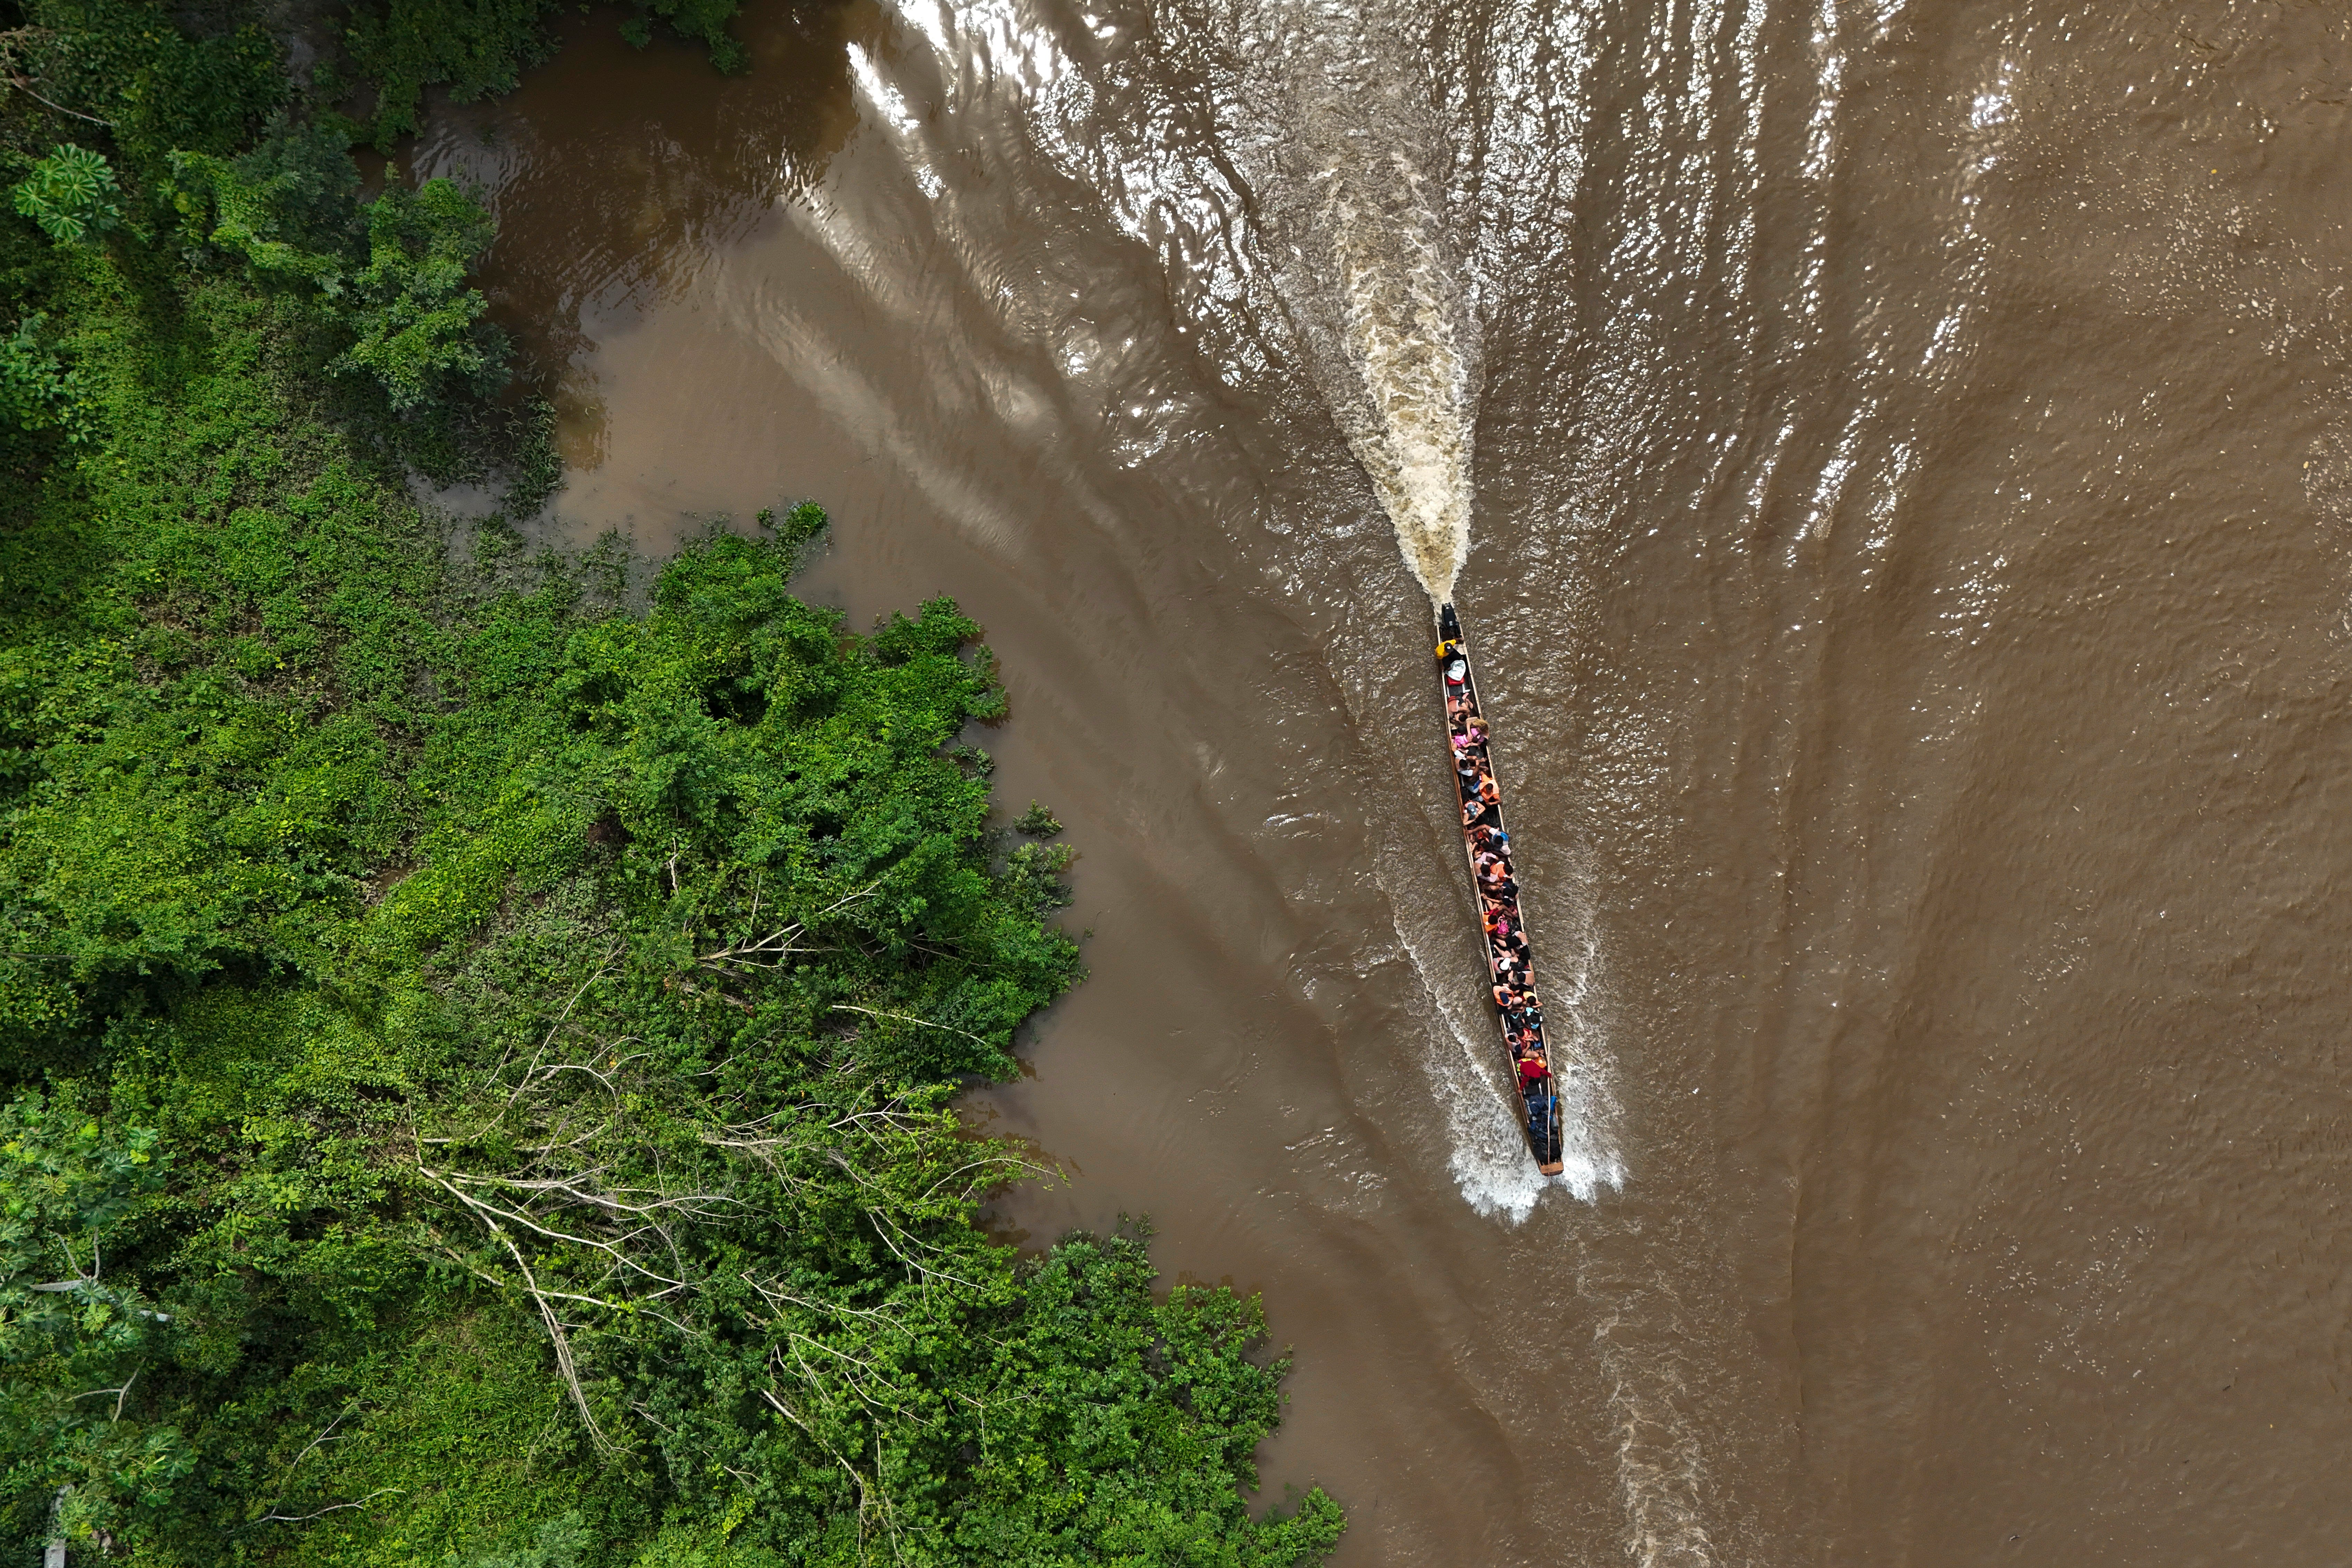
<point x="492" y="1213"/>
<point x="331" y="1507"/>
<point x="22" y="83"/>
<point x="120" y="1393"/>
<point x="908" y="1018"/>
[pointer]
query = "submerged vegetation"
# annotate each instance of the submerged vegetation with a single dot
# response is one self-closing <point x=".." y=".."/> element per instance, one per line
<point x="479" y="1054"/>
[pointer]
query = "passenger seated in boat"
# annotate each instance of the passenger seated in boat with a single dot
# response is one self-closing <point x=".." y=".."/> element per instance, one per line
<point x="1487" y="790"/>
<point x="1532" y="1072"/>
<point x="1456" y="669"/>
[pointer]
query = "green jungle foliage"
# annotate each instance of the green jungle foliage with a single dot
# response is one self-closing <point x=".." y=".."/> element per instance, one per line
<point x="476" y="1059"/>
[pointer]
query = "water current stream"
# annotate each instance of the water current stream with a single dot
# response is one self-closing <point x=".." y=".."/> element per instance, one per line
<point x="1894" y="460"/>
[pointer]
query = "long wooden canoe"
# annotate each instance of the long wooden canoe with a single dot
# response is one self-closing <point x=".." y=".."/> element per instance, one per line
<point x="1494" y="890"/>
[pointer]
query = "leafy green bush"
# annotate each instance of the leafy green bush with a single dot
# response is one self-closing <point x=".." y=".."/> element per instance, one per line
<point x="128" y="71"/>
<point x="288" y="208"/>
<point x="37" y="391"/>
<point x="72" y="194"/>
<point x="475" y="49"/>
<point x="411" y="308"/>
<point x="67" y="1186"/>
<point x="702" y="21"/>
<point x="391" y="273"/>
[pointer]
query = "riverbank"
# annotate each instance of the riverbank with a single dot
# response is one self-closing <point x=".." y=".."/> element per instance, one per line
<point x="481" y="1058"/>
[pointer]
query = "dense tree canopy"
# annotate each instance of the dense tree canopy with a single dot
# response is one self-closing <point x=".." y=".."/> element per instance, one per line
<point x="477" y="1045"/>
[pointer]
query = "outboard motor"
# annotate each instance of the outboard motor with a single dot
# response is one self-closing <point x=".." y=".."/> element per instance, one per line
<point x="1543" y="1125"/>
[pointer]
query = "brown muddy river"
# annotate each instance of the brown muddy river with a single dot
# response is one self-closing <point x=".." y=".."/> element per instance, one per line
<point x="1908" y="486"/>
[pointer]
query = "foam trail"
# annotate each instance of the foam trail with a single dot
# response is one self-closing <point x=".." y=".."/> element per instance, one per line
<point x="1351" y="173"/>
<point x="1403" y="321"/>
<point x="1661" y="1472"/>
